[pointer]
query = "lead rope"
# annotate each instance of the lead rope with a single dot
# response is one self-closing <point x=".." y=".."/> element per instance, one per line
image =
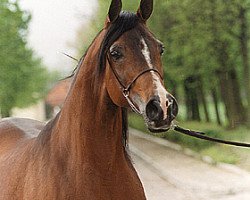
<point x="203" y="136"/>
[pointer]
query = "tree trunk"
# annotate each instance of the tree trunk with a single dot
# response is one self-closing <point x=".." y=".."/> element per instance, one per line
<point x="192" y="103"/>
<point x="203" y="100"/>
<point x="245" y="58"/>
<point x="187" y="103"/>
<point x="216" y="105"/>
<point x="236" y="97"/>
<point x="229" y="88"/>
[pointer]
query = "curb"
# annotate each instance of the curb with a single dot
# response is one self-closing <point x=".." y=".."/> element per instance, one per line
<point x="224" y="166"/>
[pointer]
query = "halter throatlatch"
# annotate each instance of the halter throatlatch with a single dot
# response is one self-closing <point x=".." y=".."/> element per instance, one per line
<point x="126" y="89"/>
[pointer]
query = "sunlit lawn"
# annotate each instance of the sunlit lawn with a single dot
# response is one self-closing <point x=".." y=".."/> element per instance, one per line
<point x="218" y="152"/>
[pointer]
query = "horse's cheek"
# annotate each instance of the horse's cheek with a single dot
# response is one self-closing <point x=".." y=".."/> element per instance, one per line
<point x="115" y="91"/>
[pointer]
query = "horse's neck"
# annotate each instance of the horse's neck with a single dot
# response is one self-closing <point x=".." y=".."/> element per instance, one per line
<point x="89" y="127"/>
<point x="84" y="147"/>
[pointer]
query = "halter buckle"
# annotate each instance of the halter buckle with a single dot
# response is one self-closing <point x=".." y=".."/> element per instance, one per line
<point x="125" y="92"/>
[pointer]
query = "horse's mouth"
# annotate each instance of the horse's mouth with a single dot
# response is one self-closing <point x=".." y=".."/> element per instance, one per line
<point x="158" y="130"/>
<point x="159" y="126"/>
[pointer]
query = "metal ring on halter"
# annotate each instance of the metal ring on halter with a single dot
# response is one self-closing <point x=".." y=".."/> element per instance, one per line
<point x="125" y="93"/>
<point x="125" y="90"/>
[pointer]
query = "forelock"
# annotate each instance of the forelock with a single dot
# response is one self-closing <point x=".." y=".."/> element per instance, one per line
<point x="125" y="22"/>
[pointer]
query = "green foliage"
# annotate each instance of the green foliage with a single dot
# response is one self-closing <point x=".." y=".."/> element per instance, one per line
<point x="199" y="36"/>
<point x="186" y="29"/>
<point x="22" y="78"/>
<point x="222" y="154"/>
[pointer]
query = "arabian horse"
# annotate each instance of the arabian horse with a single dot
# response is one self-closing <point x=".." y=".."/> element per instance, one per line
<point x="81" y="153"/>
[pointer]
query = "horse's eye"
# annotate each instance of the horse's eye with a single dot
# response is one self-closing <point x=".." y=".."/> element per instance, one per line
<point x="116" y="55"/>
<point x="162" y="49"/>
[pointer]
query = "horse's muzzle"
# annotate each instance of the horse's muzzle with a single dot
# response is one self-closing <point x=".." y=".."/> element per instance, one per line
<point x="158" y="121"/>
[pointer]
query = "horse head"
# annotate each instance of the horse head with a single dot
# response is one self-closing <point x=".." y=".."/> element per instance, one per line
<point x="134" y="71"/>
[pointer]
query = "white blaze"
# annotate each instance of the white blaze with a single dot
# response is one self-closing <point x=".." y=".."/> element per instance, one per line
<point x="160" y="90"/>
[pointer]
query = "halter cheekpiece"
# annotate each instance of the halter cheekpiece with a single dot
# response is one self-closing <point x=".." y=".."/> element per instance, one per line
<point x="126" y="89"/>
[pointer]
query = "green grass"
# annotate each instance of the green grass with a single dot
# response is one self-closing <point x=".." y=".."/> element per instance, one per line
<point x="223" y="154"/>
<point x="218" y="152"/>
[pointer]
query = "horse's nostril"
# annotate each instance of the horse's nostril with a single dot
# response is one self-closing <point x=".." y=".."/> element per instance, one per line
<point x="154" y="111"/>
<point x="172" y="108"/>
<point x="167" y="103"/>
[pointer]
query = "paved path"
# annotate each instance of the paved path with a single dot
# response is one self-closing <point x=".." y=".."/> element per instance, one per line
<point x="168" y="173"/>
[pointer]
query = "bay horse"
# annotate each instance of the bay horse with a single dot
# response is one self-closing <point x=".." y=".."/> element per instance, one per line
<point x="81" y="153"/>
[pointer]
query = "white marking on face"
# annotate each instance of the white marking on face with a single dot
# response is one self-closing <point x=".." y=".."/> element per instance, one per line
<point x="160" y="90"/>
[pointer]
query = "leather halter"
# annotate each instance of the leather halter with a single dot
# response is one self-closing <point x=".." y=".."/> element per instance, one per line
<point x="126" y="89"/>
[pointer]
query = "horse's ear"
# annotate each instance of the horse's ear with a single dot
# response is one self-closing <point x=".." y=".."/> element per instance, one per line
<point x="145" y="10"/>
<point x="114" y="10"/>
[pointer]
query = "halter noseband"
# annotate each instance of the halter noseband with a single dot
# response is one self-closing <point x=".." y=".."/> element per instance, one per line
<point x="126" y="89"/>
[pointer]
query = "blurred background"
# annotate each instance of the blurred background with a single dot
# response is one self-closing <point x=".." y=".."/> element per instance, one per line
<point x="206" y="62"/>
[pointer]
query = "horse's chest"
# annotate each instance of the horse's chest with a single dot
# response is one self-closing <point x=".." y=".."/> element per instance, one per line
<point x="122" y="186"/>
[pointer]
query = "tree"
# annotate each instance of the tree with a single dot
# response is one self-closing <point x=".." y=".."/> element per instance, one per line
<point x="224" y="22"/>
<point x="243" y="38"/>
<point x="22" y="78"/>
